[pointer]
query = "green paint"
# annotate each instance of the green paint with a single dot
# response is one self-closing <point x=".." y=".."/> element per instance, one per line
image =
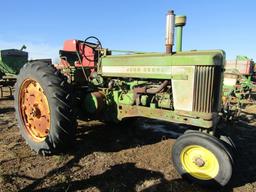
<point x="127" y="51"/>
<point x="90" y="103"/>
<point x="180" y="22"/>
<point x="158" y="66"/>
<point x="144" y="100"/>
<point x="165" y="115"/>
<point x="187" y="58"/>
<point x="179" y="38"/>
<point x="242" y="58"/>
<point x="126" y="98"/>
<point x="164" y="100"/>
<point x="12" y="60"/>
<point x="116" y="95"/>
<point x="152" y="105"/>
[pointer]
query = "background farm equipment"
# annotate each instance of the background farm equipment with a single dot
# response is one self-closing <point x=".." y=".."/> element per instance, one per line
<point x="239" y="85"/>
<point x="11" y="61"/>
<point x="90" y="82"/>
<point x="243" y="64"/>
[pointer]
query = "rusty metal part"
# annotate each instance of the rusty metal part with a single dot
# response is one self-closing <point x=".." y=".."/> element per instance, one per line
<point x="139" y="90"/>
<point x="199" y="162"/>
<point x="144" y="90"/>
<point x="168" y="49"/>
<point x="158" y="89"/>
<point x="34" y="110"/>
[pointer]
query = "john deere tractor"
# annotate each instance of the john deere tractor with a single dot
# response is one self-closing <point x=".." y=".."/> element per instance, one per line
<point x="92" y="82"/>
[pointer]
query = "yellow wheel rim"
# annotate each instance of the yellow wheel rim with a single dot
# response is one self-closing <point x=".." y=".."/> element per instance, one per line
<point x="34" y="110"/>
<point x="199" y="162"/>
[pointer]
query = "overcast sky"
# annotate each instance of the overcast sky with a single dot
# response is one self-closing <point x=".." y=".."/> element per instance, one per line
<point x="130" y="25"/>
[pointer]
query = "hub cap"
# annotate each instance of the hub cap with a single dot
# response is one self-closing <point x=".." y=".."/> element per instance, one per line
<point x="34" y="110"/>
<point x="199" y="162"/>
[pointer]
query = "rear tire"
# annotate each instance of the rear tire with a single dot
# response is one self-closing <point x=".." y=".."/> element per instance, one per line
<point x="202" y="159"/>
<point x="47" y="122"/>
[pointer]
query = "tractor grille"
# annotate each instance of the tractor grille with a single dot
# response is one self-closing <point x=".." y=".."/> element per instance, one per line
<point x="207" y="88"/>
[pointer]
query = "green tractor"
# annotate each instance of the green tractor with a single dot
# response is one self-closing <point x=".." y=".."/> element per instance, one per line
<point x="11" y="61"/>
<point x="91" y="82"/>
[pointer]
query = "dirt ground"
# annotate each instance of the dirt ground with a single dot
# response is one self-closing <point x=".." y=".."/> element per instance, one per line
<point x="112" y="158"/>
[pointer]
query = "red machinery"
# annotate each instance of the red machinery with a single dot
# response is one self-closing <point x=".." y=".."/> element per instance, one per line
<point x="82" y="52"/>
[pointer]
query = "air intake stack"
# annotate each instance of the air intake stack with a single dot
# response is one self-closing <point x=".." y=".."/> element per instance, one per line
<point x="180" y="22"/>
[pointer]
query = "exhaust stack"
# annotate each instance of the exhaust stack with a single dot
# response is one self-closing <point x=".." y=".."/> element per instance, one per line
<point x="170" y="25"/>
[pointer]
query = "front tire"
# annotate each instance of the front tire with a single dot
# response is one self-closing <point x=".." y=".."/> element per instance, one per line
<point x="202" y="159"/>
<point x="43" y="108"/>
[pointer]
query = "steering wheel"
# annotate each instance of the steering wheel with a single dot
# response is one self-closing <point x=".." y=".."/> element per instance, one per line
<point x="94" y="46"/>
